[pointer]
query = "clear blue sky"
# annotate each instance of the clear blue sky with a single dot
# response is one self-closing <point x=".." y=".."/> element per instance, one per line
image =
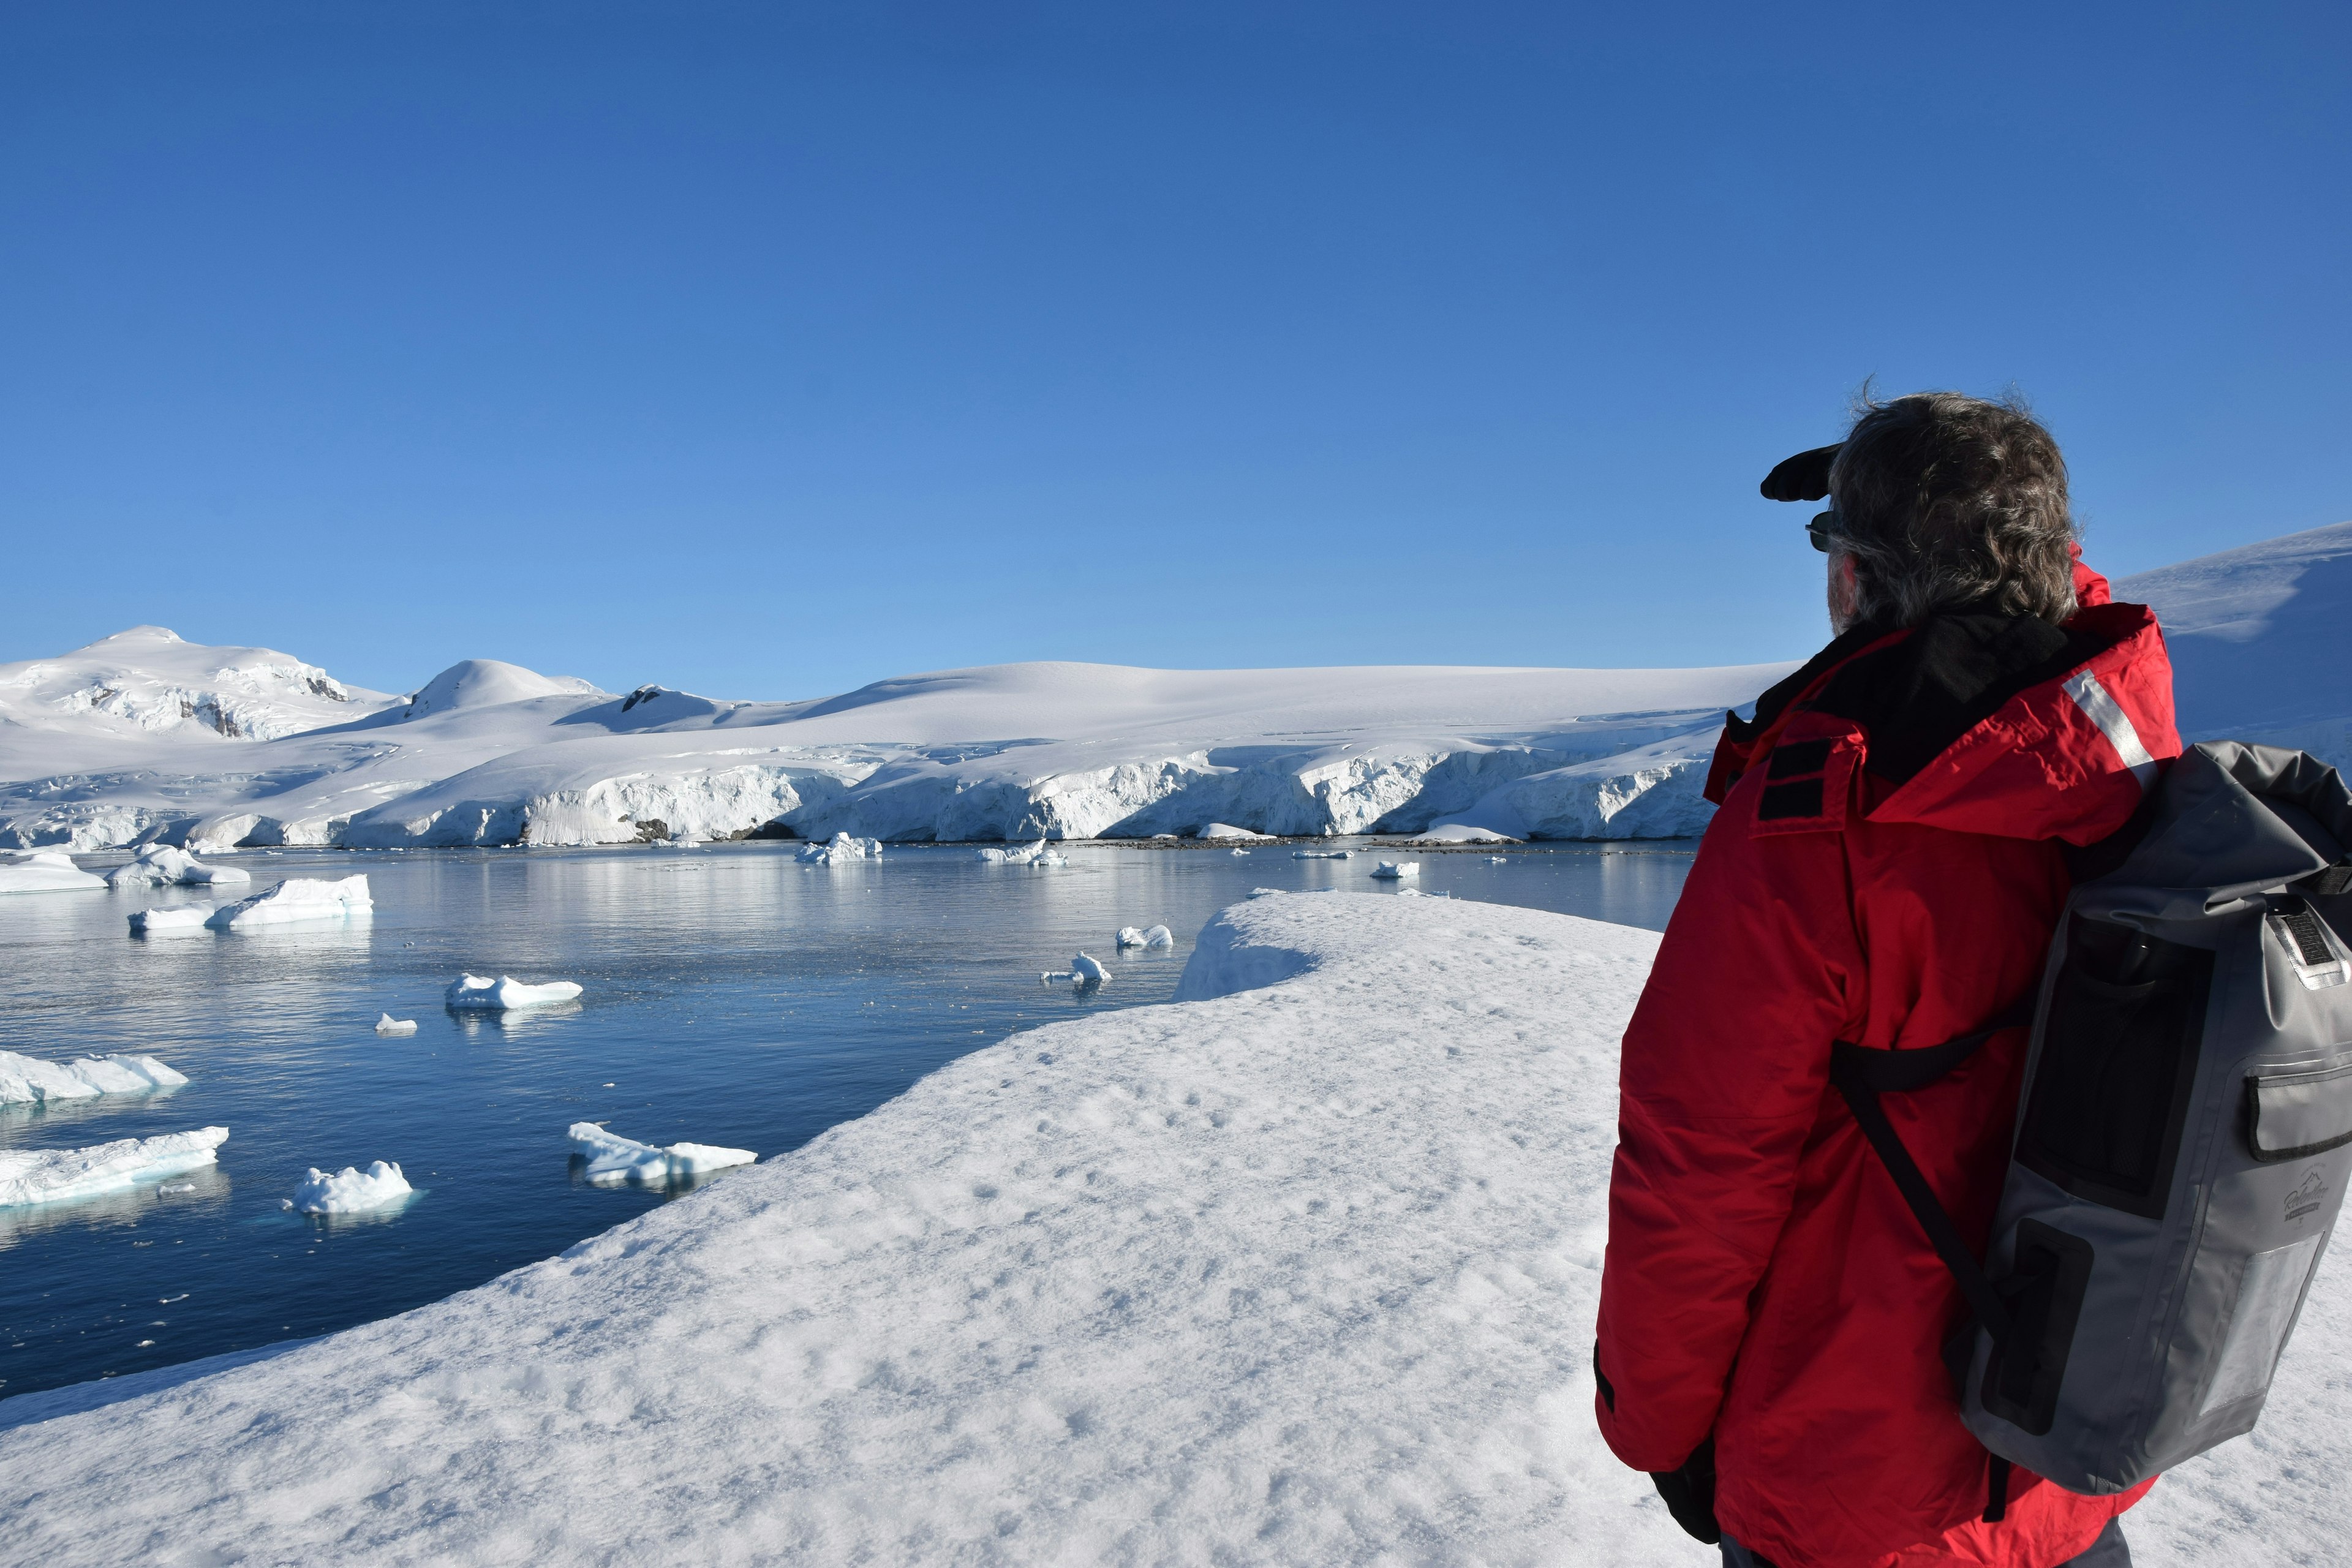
<point x="768" y="349"/>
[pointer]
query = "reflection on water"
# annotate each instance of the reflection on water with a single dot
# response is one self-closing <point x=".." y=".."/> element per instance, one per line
<point x="732" y="996"/>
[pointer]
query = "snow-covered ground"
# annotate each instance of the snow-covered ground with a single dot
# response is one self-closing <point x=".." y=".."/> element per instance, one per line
<point x="1177" y="1284"/>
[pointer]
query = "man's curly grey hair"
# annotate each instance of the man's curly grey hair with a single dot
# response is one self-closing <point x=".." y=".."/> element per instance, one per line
<point x="1946" y="501"/>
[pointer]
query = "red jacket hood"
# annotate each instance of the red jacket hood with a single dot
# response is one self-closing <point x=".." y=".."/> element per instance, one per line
<point x="1979" y="722"/>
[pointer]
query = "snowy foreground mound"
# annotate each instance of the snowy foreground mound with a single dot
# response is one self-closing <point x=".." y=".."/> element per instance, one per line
<point x="1301" y="1269"/>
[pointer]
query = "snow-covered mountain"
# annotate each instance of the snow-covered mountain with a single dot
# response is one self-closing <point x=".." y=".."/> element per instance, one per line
<point x="141" y="737"/>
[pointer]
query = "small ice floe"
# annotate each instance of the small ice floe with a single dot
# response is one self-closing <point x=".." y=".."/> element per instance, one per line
<point x="182" y="917"/>
<point x="46" y="871"/>
<point x="1241" y="851"/>
<point x="162" y="865"/>
<point x="297" y="899"/>
<point x="504" y="993"/>
<point x="385" y="1024"/>
<point x="1321" y="854"/>
<point x="1395" y="870"/>
<point x="25" y="1080"/>
<point x="991" y="856"/>
<point x="1050" y="858"/>
<point x="1227" y="830"/>
<point x="613" y="1158"/>
<point x="1137" y="936"/>
<point x="1461" y="832"/>
<point x="1159" y="936"/>
<point x="1089" y="969"/>
<point x="54" y="1175"/>
<point x="173" y="1190"/>
<point x="1029" y="854"/>
<point x="1265" y="892"/>
<point x="351" y="1190"/>
<point x="843" y="849"/>
<point x="1499" y="859"/>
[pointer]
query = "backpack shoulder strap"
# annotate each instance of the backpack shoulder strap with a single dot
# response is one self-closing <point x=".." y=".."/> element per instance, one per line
<point x="1861" y="1074"/>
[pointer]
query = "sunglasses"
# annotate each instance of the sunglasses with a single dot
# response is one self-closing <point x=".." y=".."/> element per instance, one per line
<point x="1824" y="527"/>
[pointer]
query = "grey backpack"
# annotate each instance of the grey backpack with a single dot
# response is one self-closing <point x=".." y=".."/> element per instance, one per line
<point x="2184" y="1136"/>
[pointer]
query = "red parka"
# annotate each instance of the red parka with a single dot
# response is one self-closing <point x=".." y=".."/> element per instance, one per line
<point x="1885" y="868"/>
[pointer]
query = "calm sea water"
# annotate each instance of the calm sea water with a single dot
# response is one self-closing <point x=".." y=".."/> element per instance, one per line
<point x="734" y="997"/>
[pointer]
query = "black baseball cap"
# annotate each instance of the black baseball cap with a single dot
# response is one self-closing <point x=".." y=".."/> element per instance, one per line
<point x="1805" y="476"/>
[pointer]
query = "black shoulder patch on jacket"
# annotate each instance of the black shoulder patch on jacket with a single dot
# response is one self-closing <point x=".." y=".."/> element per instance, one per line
<point x="1777" y="697"/>
<point x="1782" y="801"/>
<point x="1794" y="759"/>
<point x="1954" y="671"/>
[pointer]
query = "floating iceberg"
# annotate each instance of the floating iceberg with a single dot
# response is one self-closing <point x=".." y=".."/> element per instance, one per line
<point x="1391" y="870"/>
<point x="181" y="917"/>
<point x="844" y="849"/>
<point x="1321" y="854"/>
<point x="991" y="856"/>
<point x="1159" y="936"/>
<point x="1050" y="858"/>
<point x="612" y="1158"/>
<point x="45" y="872"/>
<point x="1130" y="936"/>
<point x="1227" y="830"/>
<point x="1089" y="969"/>
<point x="500" y="995"/>
<point x="351" y="1190"/>
<point x="26" y="1080"/>
<point x="295" y="900"/>
<point x="161" y="865"/>
<point x="386" y="1024"/>
<point x="1462" y="833"/>
<point x="53" y="1175"/>
<point x="1029" y="854"/>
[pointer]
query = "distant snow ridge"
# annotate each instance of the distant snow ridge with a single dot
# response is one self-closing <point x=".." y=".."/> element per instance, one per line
<point x="54" y="1175"/>
<point x="351" y="1190"/>
<point x="493" y="753"/>
<point x="24" y="1080"/>
<point x="612" y="1158"/>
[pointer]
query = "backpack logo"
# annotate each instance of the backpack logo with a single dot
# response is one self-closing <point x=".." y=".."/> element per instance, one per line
<point x="2307" y="1196"/>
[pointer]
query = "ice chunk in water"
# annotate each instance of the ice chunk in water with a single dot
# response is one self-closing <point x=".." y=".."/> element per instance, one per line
<point x="54" y="1175"/>
<point x="1391" y="870"/>
<point x="1319" y="854"/>
<point x="1130" y="936"/>
<point x="46" y="871"/>
<point x="1227" y="830"/>
<point x="1159" y="936"/>
<point x="182" y="917"/>
<point x="503" y="994"/>
<point x="844" y="849"/>
<point x="350" y="1191"/>
<point x="612" y="1158"/>
<point x="300" y="899"/>
<point x="161" y="864"/>
<point x="25" y="1080"/>
<point x="991" y="856"/>
<point x="1087" y="967"/>
<point x="386" y="1024"/>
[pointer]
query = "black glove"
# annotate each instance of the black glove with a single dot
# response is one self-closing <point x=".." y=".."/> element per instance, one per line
<point x="1690" y="1494"/>
<point x="1805" y="476"/>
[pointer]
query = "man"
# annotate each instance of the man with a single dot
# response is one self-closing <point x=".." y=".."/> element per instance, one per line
<point x="1886" y="868"/>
